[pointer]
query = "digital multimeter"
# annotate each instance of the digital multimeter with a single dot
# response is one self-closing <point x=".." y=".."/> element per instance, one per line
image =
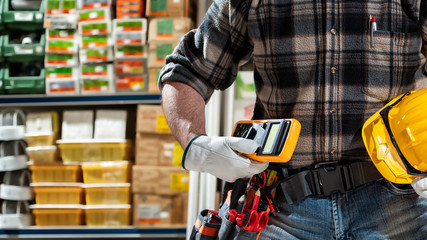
<point x="276" y="138"/>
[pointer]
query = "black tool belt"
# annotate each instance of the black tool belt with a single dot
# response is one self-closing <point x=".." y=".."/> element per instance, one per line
<point x="325" y="179"/>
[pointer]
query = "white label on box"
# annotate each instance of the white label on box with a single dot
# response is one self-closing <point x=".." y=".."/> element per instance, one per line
<point x="176" y="1"/>
<point x="52" y="75"/>
<point x="39" y="122"/>
<point x="95" y="31"/>
<point x="91" y="45"/>
<point x="149" y="211"/>
<point x="77" y="125"/>
<point x="99" y="69"/>
<point x="168" y="153"/>
<point x="21" y="16"/>
<point x="97" y="5"/>
<point x="70" y="49"/>
<point x="55" y="11"/>
<point x="23" y="50"/>
<point x="71" y="62"/>
<point x="93" y="15"/>
<point x="164" y="214"/>
<point x="110" y="124"/>
<point x="127" y="41"/>
<point x="63" y="33"/>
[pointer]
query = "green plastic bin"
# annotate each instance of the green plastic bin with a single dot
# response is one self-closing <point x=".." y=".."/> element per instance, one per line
<point x="23" y="84"/>
<point x="20" y="50"/>
<point x="26" y="20"/>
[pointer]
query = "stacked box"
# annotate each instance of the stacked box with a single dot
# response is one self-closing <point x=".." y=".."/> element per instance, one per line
<point x="96" y="76"/>
<point x="159" y="183"/>
<point x="163" y="36"/>
<point x="126" y="9"/>
<point x="130" y="55"/>
<point x="23" y="42"/>
<point x="94" y="4"/>
<point x="61" y="62"/>
<point x="61" y="59"/>
<point x="169" y="8"/>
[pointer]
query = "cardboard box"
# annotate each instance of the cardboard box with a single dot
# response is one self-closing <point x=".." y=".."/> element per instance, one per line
<point x="159" y="210"/>
<point x="153" y="79"/>
<point x="150" y="119"/>
<point x="159" y="180"/>
<point x="168" y="8"/>
<point x="157" y="150"/>
<point x="168" y="28"/>
<point x="158" y="50"/>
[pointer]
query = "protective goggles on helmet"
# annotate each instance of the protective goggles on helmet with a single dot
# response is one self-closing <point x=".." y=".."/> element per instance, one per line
<point x="383" y="147"/>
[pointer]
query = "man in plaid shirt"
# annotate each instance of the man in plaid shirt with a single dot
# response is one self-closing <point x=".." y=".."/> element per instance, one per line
<point x="317" y="62"/>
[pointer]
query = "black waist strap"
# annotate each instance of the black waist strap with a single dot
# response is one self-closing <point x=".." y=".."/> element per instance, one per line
<point x="327" y="179"/>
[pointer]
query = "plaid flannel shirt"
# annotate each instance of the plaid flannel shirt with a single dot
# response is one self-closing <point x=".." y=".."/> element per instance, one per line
<point x="313" y="61"/>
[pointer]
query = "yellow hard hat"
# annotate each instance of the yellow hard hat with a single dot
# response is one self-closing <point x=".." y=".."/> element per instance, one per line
<point x="396" y="137"/>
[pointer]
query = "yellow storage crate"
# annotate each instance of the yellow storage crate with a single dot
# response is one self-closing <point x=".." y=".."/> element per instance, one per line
<point x="34" y="140"/>
<point x="114" y="193"/>
<point x="95" y="150"/>
<point x="108" y="215"/>
<point x="43" y="154"/>
<point x="58" y="215"/>
<point x="56" y="173"/>
<point x="106" y="172"/>
<point x="60" y="193"/>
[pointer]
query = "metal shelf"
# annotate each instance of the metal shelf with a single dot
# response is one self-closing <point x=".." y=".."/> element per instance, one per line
<point x="93" y="232"/>
<point x="43" y="100"/>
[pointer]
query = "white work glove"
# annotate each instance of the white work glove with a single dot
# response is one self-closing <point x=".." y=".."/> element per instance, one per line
<point x="219" y="157"/>
<point x="420" y="186"/>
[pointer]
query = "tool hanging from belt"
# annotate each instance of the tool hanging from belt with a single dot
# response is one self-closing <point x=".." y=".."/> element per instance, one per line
<point x="325" y="179"/>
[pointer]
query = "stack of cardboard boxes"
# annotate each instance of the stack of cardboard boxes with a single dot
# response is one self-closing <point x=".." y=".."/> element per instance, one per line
<point x="169" y="20"/>
<point x="159" y="183"/>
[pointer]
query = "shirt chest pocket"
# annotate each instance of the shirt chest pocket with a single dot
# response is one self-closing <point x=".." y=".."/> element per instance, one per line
<point x="390" y="63"/>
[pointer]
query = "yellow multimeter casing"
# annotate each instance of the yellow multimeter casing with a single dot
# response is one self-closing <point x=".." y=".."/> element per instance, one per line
<point x="276" y="138"/>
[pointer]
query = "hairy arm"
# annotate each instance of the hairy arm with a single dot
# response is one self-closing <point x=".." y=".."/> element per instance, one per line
<point x="184" y="109"/>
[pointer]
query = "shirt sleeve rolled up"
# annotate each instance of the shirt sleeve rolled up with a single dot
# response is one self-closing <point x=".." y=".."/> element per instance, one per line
<point x="207" y="58"/>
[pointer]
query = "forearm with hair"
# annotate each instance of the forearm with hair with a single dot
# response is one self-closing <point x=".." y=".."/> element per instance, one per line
<point x="184" y="109"/>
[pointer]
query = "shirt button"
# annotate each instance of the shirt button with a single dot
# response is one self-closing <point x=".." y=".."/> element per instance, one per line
<point x="333" y="110"/>
<point x="332" y="151"/>
<point x="333" y="69"/>
<point x="333" y="31"/>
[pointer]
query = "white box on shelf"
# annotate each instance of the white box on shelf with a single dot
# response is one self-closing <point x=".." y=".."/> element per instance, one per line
<point x="60" y="87"/>
<point x="110" y="124"/>
<point x="77" y="124"/>
<point x="130" y="25"/>
<point x="95" y="28"/>
<point x="93" y="55"/>
<point x="96" y="70"/>
<point x="100" y="85"/>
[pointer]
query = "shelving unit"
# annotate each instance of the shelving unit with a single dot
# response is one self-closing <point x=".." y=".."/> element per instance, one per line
<point x="118" y="100"/>
<point x="43" y="100"/>
<point x="90" y="232"/>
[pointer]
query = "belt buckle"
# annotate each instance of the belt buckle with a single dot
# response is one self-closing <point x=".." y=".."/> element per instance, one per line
<point x="330" y="177"/>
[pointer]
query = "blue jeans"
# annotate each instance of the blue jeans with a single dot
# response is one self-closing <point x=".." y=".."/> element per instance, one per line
<point x="377" y="210"/>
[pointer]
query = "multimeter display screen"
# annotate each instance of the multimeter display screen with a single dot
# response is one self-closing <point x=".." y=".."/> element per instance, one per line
<point x="271" y="137"/>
